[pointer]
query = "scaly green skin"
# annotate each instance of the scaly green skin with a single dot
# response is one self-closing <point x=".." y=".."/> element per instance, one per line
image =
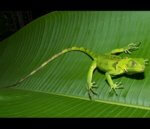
<point x="114" y="65"/>
<point x="109" y="63"/>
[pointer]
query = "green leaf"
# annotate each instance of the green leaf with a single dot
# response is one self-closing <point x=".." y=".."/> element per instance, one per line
<point x="59" y="89"/>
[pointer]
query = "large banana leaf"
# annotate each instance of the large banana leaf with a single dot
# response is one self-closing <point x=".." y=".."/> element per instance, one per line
<point x="59" y="89"/>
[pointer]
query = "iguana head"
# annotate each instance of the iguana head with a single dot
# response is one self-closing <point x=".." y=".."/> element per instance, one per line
<point x="135" y="65"/>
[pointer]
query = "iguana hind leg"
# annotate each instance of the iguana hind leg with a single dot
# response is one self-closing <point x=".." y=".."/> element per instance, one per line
<point x="91" y="84"/>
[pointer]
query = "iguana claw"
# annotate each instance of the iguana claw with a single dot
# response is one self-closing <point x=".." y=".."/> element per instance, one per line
<point x="132" y="47"/>
<point x="90" y="89"/>
<point x="117" y="85"/>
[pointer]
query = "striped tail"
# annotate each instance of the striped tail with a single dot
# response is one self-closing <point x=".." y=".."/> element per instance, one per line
<point x="81" y="49"/>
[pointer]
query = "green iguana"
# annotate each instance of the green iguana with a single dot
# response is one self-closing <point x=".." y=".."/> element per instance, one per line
<point x="109" y="63"/>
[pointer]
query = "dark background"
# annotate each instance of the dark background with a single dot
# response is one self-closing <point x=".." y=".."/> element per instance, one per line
<point x="11" y="21"/>
<point x="17" y="13"/>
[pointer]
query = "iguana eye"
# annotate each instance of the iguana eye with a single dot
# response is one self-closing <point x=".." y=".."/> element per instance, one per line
<point x="133" y="63"/>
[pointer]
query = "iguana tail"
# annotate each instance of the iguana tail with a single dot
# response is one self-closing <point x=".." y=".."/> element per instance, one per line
<point x="81" y="49"/>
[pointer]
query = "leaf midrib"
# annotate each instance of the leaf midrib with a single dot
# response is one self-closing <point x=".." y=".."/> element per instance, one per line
<point x="96" y="100"/>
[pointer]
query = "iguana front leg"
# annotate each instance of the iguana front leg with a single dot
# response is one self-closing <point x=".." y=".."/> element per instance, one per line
<point x="113" y="85"/>
<point x="91" y="84"/>
<point x="131" y="47"/>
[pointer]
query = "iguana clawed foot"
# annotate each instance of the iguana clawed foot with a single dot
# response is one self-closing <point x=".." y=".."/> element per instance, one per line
<point x="132" y="47"/>
<point x="90" y="89"/>
<point x="117" y="85"/>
